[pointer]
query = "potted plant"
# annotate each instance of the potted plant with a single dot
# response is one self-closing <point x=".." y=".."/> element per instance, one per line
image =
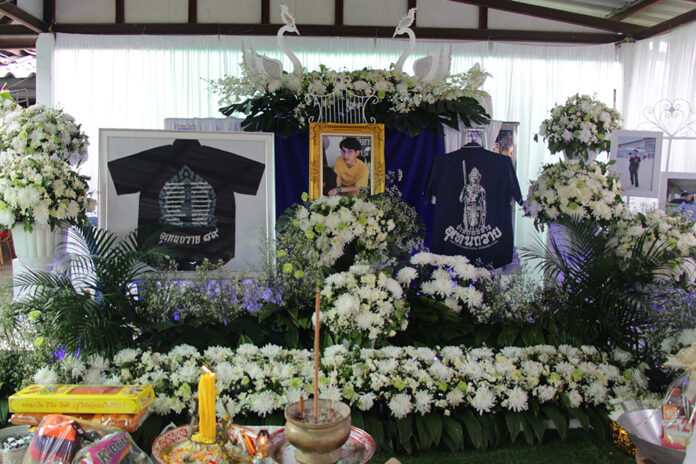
<point x="38" y="195"/>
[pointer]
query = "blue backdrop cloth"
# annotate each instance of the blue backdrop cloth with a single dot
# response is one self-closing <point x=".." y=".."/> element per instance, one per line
<point x="412" y="155"/>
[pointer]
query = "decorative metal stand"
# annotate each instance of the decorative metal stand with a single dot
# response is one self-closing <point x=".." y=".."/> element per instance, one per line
<point x="675" y="118"/>
<point x="343" y="108"/>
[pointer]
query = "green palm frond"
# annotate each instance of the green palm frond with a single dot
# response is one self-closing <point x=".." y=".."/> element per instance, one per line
<point x="610" y="296"/>
<point x="90" y="303"/>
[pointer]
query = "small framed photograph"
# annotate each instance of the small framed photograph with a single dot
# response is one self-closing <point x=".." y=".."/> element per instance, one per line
<point x="638" y="156"/>
<point x="215" y="189"/>
<point x="679" y="187"/>
<point x="345" y="159"/>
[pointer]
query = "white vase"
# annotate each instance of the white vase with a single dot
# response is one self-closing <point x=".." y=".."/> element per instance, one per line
<point x="41" y="248"/>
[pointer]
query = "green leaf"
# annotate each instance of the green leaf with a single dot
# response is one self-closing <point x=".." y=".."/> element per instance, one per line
<point x="453" y="430"/>
<point x="473" y="428"/>
<point x="425" y="438"/>
<point x="507" y="336"/>
<point x="537" y="425"/>
<point x="558" y="419"/>
<point x="356" y="418"/>
<point x="404" y="427"/>
<point x="581" y="416"/>
<point x="292" y="338"/>
<point x="374" y="427"/>
<point x="434" y="424"/>
<point x="598" y="423"/>
<point x="514" y="423"/>
<point x="4" y="411"/>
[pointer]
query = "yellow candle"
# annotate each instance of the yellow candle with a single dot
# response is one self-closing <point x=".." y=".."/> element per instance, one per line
<point x="206" y="408"/>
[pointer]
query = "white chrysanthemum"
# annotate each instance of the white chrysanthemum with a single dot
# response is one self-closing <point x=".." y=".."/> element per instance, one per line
<point x="455" y="397"/>
<point x="366" y="401"/>
<point x="224" y="374"/>
<point x="271" y="351"/>
<point x="247" y="349"/>
<point x="127" y="355"/>
<point x="440" y="372"/>
<point x="263" y="403"/>
<point x="424" y="401"/>
<point x="394" y="287"/>
<point x="218" y="353"/>
<point x="400" y="405"/>
<point x="516" y="400"/>
<point x="575" y="399"/>
<point x="451" y="353"/>
<point x="425" y="354"/>
<point x="483" y="400"/>
<point x="73" y="365"/>
<point x="45" y="376"/>
<point x="161" y="405"/>
<point x="546" y="393"/>
<point x="7" y="218"/>
<point x="94" y="377"/>
<point x="183" y="351"/>
<point x="406" y="275"/>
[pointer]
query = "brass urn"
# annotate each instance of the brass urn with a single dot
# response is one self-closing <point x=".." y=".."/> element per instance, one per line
<point x="318" y="443"/>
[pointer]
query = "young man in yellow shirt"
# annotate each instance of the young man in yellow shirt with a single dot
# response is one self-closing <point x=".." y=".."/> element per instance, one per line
<point x="351" y="172"/>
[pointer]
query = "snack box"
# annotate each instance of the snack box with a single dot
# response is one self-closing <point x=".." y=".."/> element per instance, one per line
<point x="94" y="399"/>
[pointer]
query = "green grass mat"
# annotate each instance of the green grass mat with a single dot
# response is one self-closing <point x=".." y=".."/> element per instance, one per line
<point x="578" y="448"/>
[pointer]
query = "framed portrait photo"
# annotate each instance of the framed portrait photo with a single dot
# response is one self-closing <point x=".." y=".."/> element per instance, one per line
<point x="638" y="157"/>
<point x="215" y="190"/>
<point x="345" y="159"/>
<point x="678" y="187"/>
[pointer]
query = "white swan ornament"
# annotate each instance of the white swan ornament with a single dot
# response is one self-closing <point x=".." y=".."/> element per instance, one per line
<point x="428" y="69"/>
<point x="261" y="64"/>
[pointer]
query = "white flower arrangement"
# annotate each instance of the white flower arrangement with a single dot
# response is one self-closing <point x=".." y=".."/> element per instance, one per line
<point x="402" y="93"/>
<point x="408" y="380"/>
<point x="40" y="130"/>
<point x="334" y="222"/>
<point x="582" y="124"/>
<point x="41" y="189"/>
<point x="448" y="279"/>
<point x="659" y="230"/>
<point x="361" y="302"/>
<point x="574" y="190"/>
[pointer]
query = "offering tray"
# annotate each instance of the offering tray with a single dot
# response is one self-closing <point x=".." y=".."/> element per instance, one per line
<point x="644" y="428"/>
<point x="174" y="444"/>
<point x="359" y="448"/>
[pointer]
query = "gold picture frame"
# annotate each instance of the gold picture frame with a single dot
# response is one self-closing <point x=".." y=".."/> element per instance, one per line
<point x="323" y="144"/>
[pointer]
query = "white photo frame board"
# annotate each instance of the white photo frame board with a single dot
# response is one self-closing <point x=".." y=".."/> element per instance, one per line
<point x="217" y="186"/>
<point x="638" y="157"/>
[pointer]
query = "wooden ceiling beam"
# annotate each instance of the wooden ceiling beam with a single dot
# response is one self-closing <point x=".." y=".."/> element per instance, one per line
<point x="265" y="11"/>
<point x="667" y="26"/>
<point x="314" y="30"/>
<point x="17" y="44"/>
<point x="120" y="12"/>
<point x="556" y="15"/>
<point x="22" y="17"/>
<point x="483" y="17"/>
<point x="636" y="7"/>
<point x="49" y="12"/>
<point x="338" y="12"/>
<point x="192" y="11"/>
<point x="16" y="30"/>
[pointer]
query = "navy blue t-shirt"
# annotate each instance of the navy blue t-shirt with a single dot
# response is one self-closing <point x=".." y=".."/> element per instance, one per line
<point x="474" y="189"/>
<point x="193" y="187"/>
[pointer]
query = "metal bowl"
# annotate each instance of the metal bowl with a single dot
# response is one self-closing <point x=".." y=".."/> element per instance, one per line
<point x="644" y="428"/>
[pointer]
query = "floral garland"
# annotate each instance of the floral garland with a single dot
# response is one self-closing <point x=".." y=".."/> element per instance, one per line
<point x="40" y="130"/>
<point x="583" y="124"/>
<point x="656" y="229"/>
<point x="574" y="190"/>
<point x="409" y="380"/>
<point x="400" y="101"/>
<point x="359" y="301"/>
<point x="41" y="189"/>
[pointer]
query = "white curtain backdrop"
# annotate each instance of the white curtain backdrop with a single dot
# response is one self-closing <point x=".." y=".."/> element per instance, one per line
<point x="138" y="81"/>
<point x="663" y="67"/>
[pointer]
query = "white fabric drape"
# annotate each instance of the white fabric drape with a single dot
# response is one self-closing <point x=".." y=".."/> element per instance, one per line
<point x="138" y="81"/>
<point x="663" y="67"/>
